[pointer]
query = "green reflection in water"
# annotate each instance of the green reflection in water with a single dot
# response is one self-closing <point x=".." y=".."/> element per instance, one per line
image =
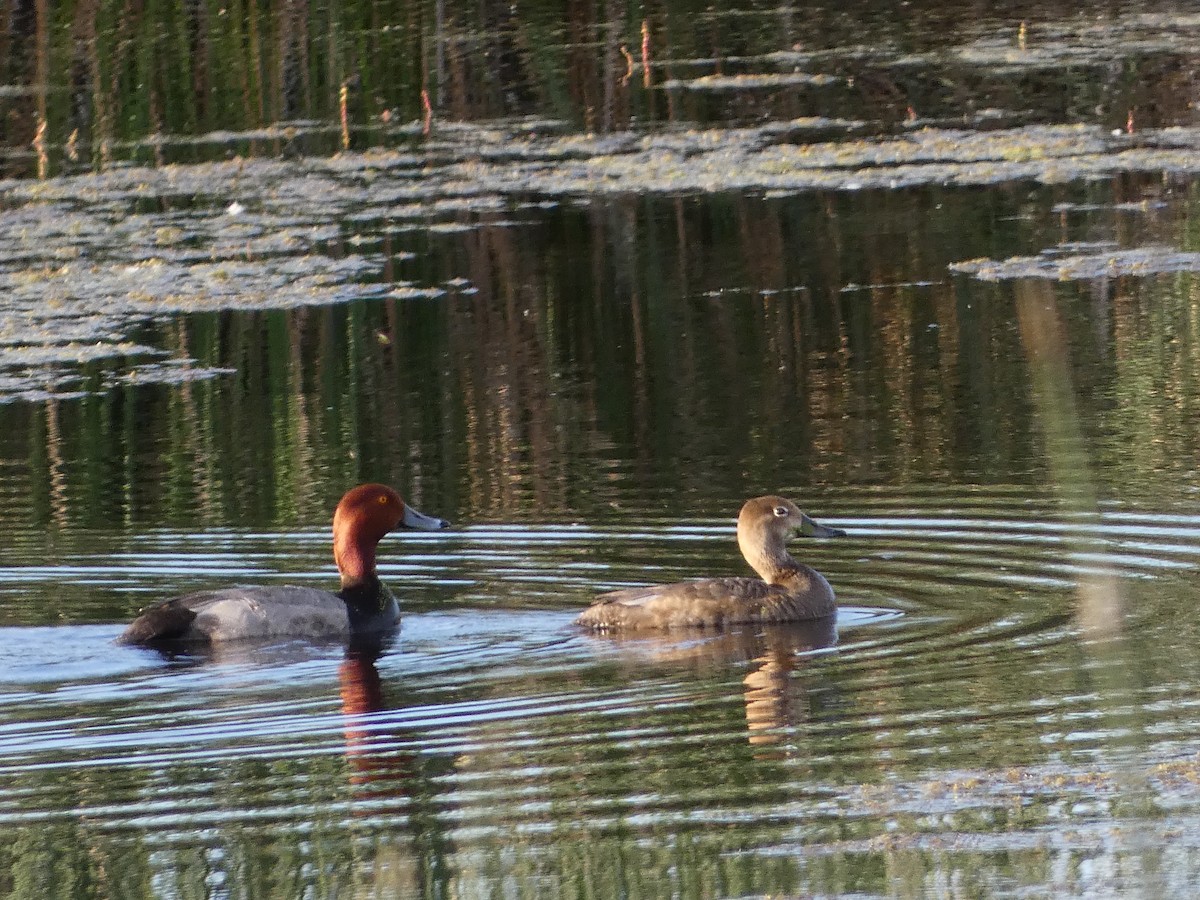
<point x="625" y="363"/>
<point x="582" y="373"/>
<point x="169" y="85"/>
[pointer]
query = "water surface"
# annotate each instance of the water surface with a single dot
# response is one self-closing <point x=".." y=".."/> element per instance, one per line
<point x="932" y="276"/>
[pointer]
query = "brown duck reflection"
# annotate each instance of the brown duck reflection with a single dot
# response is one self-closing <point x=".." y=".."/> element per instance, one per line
<point x="361" y="689"/>
<point x="771" y="691"/>
<point x="371" y="754"/>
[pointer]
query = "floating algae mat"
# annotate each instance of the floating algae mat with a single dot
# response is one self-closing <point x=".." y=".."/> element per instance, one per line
<point x="1062" y="266"/>
<point x="85" y="258"/>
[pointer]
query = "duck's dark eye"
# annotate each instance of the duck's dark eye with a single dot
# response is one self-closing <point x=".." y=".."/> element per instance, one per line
<point x="781" y="511"/>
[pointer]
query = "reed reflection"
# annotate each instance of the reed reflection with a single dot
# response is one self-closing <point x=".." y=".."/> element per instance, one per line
<point x="101" y="80"/>
<point x="583" y="371"/>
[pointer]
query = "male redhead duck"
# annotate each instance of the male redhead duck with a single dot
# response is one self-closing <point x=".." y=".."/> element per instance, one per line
<point x="363" y="605"/>
<point x="788" y="592"/>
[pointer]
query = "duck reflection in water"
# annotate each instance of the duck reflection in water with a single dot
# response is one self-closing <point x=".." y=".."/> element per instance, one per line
<point x="371" y="743"/>
<point x="369" y="752"/>
<point x="768" y="620"/>
<point x="775" y="697"/>
<point x="387" y="774"/>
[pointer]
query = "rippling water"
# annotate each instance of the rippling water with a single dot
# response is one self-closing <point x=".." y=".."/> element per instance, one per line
<point x="955" y="715"/>
<point x="949" y="304"/>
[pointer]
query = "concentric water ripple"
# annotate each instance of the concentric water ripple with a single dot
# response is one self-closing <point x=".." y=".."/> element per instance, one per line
<point x="955" y="705"/>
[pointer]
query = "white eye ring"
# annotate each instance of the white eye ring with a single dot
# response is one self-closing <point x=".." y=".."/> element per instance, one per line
<point x="781" y="511"/>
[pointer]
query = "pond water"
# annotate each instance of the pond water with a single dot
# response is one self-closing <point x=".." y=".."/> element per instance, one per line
<point x="933" y="277"/>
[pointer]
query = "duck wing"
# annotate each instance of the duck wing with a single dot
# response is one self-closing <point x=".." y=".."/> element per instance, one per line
<point x="713" y="603"/>
<point x="708" y="602"/>
<point x="241" y="613"/>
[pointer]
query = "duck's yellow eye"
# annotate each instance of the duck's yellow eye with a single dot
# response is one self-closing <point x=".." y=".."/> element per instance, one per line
<point x="384" y="499"/>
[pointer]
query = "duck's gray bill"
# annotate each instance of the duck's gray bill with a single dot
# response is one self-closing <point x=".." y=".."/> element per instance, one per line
<point x="809" y="528"/>
<point x="414" y="519"/>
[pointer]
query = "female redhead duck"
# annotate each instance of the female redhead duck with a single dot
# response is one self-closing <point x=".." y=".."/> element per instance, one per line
<point x="363" y="605"/>
<point x="788" y="592"/>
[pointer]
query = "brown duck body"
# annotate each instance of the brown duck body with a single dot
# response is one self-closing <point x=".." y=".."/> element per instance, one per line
<point x="363" y="605"/>
<point x="788" y="591"/>
<point x="714" y="602"/>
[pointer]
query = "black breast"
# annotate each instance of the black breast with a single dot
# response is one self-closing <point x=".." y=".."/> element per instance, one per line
<point x="168" y="621"/>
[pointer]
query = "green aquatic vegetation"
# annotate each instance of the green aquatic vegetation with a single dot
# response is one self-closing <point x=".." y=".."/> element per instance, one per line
<point x="86" y="257"/>
<point x="1058" y="45"/>
<point x="749" y="81"/>
<point x="1106" y="263"/>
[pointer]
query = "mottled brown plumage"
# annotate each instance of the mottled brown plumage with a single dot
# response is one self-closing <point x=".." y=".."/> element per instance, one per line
<point x="788" y="591"/>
